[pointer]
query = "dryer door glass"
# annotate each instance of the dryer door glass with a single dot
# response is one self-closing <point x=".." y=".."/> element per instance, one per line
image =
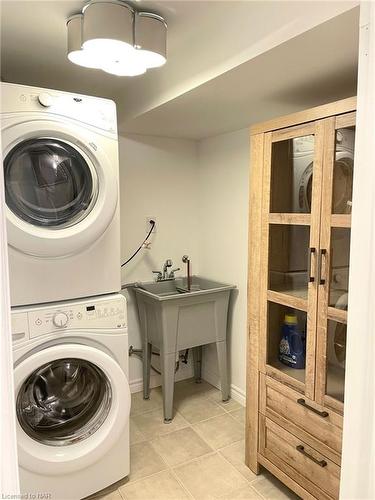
<point x="64" y="401"/>
<point x="48" y="183"/>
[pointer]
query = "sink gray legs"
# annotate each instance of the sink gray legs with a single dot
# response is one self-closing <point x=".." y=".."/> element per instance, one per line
<point x="168" y="364"/>
<point x="223" y="368"/>
<point x="197" y="359"/>
<point x="147" y="351"/>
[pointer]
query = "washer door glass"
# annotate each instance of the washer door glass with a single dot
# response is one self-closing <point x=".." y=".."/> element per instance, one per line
<point x="48" y="183"/>
<point x="64" y="401"/>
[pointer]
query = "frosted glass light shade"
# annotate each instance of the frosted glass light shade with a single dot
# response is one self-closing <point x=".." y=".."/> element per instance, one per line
<point x="129" y="65"/>
<point x="75" y="53"/>
<point x="150" y="39"/>
<point x="109" y="35"/>
<point x="108" y="28"/>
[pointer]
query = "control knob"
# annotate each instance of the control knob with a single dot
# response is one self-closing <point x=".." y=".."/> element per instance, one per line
<point x="60" y="319"/>
<point x="45" y="99"/>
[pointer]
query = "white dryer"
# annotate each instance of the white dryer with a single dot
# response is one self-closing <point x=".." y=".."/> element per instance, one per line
<point x="72" y="396"/>
<point x="61" y="171"/>
<point x="303" y="157"/>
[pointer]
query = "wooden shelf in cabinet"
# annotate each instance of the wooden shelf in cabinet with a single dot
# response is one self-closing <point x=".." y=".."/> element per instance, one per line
<point x="341" y="220"/>
<point x="290" y="219"/>
<point x="297" y="298"/>
<point x="284" y="374"/>
<point x="294" y="373"/>
<point x="339" y="315"/>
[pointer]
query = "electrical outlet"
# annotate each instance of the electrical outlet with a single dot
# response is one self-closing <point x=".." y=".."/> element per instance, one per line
<point x="148" y="219"/>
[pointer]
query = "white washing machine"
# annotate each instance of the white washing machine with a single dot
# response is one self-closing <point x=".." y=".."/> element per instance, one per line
<point x="72" y="396"/>
<point x="303" y="156"/>
<point x="61" y="174"/>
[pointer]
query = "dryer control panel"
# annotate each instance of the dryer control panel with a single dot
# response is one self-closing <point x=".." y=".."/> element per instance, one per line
<point x="94" y="111"/>
<point x="105" y="313"/>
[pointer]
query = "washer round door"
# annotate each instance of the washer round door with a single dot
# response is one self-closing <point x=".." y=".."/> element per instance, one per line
<point x="61" y="189"/>
<point x="72" y="403"/>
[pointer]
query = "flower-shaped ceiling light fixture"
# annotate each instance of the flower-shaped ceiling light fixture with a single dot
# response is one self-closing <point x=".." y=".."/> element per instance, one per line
<point x="112" y="36"/>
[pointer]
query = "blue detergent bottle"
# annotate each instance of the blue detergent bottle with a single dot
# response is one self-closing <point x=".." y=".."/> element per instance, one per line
<point x="292" y="348"/>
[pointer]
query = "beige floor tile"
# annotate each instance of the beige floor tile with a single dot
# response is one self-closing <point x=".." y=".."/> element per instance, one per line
<point x="270" y="488"/>
<point x="209" y="476"/>
<point x="161" y="486"/>
<point x="144" y="461"/>
<point x="140" y="405"/>
<point x="151" y="424"/>
<point x="187" y="388"/>
<point x="220" y="431"/>
<point x="180" y="446"/>
<point x="245" y="493"/>
<point x="114" y="495"/>
<point x="230" y="405"/>
<point x="239" y="415"/>
<point x="198" y="407"/>
<point x="136" y="436"/>
<point x="235" y="454"/>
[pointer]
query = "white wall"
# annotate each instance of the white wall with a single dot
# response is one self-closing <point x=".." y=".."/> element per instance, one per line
<point x="223" y="206"/>
<point x="159" y="178"/>
<point x="198" y="193"/>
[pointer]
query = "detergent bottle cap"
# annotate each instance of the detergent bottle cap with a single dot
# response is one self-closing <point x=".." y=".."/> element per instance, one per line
<point x="290" y="319"/>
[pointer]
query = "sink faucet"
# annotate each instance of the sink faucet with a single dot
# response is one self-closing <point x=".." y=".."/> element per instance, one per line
<point x="167" y="263"/>
<point x="164" y="275"/>
<point x="186" y="260"/>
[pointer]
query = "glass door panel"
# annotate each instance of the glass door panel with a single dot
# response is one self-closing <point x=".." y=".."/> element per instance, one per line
<point x="286" y="349"/>
<point x="337" y="187"/>
<point x="342" y="188"/>
<point x="339" y="272"/>
<point x="336" y="357"/>
<point x="288" y="259"/>
<point x="292" y="163"/>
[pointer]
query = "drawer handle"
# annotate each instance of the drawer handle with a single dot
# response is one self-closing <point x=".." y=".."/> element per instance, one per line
<point x="301" y="449"/>
<point x="302" y="402"/>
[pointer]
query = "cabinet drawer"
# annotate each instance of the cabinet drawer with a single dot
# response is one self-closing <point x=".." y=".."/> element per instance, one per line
<point x="296" y="413"/>
<point x="303" y="463"/>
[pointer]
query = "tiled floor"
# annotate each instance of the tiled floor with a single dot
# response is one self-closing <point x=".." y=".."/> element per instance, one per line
<point x="200" y="455"/>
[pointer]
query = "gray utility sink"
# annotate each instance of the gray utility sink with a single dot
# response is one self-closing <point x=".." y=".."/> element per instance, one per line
<point x="173" y="319"/>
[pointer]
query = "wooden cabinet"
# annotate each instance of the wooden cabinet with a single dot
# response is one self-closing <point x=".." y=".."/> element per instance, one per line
<point x="299" y="249"/>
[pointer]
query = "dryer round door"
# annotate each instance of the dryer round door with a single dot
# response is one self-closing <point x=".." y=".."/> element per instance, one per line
<point x="72" y="403"/>
<point x="61" y="188"/>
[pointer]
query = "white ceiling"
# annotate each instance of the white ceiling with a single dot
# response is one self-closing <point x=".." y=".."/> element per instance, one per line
<point x="314" y="68"/>
<point x="220" y="71"/>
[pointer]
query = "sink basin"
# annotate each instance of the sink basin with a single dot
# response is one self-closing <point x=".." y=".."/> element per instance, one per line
<point x="173" y="319"/>
<point x="167" y="290"/>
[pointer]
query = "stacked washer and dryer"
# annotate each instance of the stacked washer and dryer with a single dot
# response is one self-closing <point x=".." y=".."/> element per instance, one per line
<point x="69" y="322"/>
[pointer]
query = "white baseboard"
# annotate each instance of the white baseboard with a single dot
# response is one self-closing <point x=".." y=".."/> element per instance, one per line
<point x="185" y="371"/>
<point x="236" y="393"/>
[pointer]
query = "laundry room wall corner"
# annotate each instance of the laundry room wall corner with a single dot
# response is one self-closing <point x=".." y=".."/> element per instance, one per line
<point x="158" y="178"/>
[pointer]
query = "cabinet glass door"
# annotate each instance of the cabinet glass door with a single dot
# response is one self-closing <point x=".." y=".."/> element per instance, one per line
<point x="291" y="212"/>
<point x="334" y="260"/>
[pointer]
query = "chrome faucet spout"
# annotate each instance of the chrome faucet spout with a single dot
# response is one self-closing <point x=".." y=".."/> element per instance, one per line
<point x="186" y="260"/>
<point x="167" y="263"/>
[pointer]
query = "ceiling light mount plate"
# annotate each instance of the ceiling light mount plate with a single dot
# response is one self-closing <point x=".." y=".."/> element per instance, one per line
<point x="112" y="36"/>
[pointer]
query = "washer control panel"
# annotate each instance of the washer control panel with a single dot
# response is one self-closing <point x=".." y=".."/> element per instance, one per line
<point x="99" y="314"/>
